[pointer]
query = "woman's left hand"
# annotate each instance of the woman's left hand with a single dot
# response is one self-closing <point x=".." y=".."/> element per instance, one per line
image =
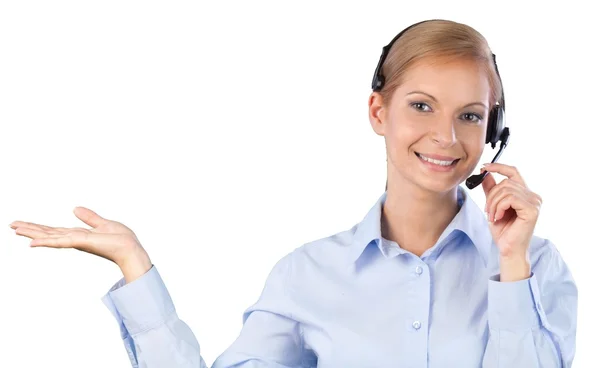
<point x="515" y="209"/>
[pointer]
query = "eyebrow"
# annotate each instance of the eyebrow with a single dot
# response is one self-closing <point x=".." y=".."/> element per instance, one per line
<point x="435" y="100"/>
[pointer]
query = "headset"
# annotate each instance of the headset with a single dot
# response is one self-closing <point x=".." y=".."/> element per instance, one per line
<point x="496" y="130"/>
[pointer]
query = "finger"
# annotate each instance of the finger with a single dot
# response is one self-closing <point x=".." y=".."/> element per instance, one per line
<point x="536" y="200"/>
<point x="503" y="184"/>
<point x="88" y="216"/>
<point x="497" y="198"/>
<point x="488" y="183"/>
<point x="503" y="206"/>
<point x="35" y="233"/>
<point x="81" y="240"/>
<point x="510" y="172"/>
<point x="514" y="201"/>
<point x="31" y="225"/>
<point x="44" y="229"/>
<point x="76" y="239"/>
<point x="53" y="242"/>
<point x="31" y="233"/>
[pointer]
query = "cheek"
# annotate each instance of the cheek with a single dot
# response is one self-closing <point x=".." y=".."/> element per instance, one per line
<point x="405" y="129"/>
<point x="401" y="135"/>
<point x="474" y="152"/>
<point x="473" y="140"/>
<point x="474" y="147"/>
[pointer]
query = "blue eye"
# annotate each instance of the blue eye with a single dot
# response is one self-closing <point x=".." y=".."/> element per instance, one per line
<point x="421" y="106"/>
<point x="475" y="118"/>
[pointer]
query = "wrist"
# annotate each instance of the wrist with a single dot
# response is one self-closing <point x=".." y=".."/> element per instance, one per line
<point x="135" y="264"/>
<point x="514" y="268"/>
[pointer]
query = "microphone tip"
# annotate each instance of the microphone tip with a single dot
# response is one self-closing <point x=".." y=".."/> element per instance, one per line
<point x="474" y="180"/>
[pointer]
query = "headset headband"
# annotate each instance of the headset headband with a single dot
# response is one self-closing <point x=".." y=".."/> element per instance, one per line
<point x="379" y="80"/>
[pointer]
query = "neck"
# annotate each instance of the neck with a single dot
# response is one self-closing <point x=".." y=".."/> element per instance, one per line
<point x="415" y="218"/>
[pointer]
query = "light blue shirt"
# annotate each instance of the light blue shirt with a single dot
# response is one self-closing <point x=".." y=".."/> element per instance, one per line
<point x="355" y="299"/>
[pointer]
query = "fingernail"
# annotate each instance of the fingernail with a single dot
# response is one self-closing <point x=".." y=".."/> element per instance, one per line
<point x="486" y="165"/>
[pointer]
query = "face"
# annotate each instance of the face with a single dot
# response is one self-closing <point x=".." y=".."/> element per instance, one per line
<point x="435" y="124"/>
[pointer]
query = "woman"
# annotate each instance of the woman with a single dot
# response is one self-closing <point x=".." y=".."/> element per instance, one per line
<point x="424" y="280"/>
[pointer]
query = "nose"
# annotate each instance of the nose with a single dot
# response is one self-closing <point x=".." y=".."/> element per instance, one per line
<point x="444" y="133"/>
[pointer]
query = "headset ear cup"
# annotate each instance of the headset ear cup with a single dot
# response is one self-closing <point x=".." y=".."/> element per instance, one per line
<point x="495" y="125"/>
<point x="499" y="124"/>
<point x="491" y="126"/>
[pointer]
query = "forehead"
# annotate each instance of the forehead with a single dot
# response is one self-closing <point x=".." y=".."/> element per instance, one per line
<point x="462" y="79"/>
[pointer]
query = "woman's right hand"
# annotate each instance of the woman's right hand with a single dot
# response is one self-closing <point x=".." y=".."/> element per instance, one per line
<point x="107" y="239"/>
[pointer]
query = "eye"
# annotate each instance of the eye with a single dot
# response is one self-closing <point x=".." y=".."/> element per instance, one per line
<point x="472" y="117"/>
<point x="421" y="106"/>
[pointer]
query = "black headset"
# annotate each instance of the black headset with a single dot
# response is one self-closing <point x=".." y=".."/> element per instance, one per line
<point x="496" y="130"/>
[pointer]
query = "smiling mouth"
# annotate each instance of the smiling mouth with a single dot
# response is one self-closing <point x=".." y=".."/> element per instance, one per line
<point x="441" y="163"/>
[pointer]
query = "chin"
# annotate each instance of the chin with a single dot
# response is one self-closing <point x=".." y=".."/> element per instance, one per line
<point x="437" y="186"/>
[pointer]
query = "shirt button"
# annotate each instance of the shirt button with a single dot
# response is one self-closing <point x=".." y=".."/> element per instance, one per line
<point x="419" y="270"/>
<point x="416" y="325"/>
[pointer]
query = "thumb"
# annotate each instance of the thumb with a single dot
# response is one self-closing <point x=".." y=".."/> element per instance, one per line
<point x="88" y="216"/>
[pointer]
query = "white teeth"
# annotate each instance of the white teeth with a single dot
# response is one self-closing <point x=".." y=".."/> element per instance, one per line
<point x="437" y="162"/>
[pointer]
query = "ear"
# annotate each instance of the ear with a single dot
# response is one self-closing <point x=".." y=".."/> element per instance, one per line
<point x="377" y="113"/>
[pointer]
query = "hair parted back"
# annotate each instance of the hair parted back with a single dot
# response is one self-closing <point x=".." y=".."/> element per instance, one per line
<point x="442" y="40"/>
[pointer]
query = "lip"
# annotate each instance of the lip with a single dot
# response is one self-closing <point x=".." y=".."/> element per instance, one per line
<point x="437" y="157"/>
<point x="438" y="168"/>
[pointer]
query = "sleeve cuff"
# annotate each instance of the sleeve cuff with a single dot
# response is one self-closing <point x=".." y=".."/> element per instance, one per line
<point x="513" y="306"/>
<point x="140" y="305"/>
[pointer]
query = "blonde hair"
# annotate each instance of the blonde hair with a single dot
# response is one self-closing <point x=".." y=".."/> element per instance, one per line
<point x="442" y="40"/>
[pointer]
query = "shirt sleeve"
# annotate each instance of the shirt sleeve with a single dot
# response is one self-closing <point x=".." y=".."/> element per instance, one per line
<point x="153" y="334"/>
<point x="532" y="322"/>
<point x="155" y="337"/>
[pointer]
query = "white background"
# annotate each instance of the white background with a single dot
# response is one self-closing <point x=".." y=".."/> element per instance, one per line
<point x="226" y="134"/>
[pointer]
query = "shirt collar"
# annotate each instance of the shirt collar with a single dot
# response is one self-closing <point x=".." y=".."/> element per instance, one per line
<point x="470" y="220"/>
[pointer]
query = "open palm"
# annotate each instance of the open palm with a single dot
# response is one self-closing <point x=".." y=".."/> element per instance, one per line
<point x="108" y="239"/>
